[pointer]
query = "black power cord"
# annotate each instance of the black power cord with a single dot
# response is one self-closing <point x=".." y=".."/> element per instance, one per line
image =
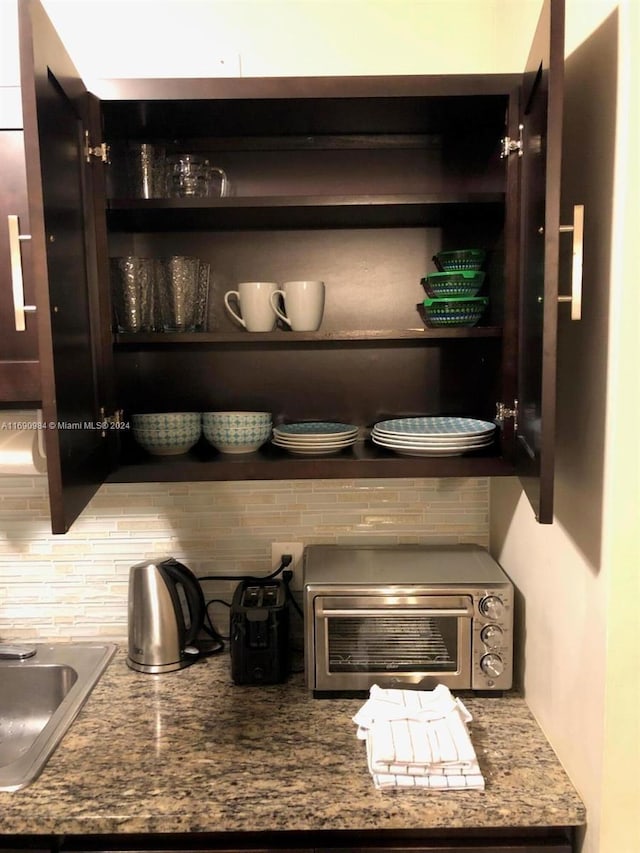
<point x="286" y="578"/>
<point x="209" y="627"/>
<point x="285" y="560"/>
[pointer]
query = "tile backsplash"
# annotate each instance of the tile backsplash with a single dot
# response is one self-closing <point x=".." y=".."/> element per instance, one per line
<point x="75" y="586"/>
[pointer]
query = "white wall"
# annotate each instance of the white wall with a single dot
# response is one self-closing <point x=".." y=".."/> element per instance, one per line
<point x="203" y="38"/>
<point x="10" y="103"/>
<point x="9" y="54"/>
<point x="579" y="577"/>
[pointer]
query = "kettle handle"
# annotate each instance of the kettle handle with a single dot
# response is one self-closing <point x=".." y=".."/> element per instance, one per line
<point x="182" y="575"/>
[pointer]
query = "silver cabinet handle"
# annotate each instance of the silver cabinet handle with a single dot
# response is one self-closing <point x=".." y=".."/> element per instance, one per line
<point x="576" y="264"/>
<point x="17" y="282"/>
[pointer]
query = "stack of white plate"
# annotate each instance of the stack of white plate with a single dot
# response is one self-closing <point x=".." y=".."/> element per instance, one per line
<point x="433" y="436"/>
<point x="314" y="438"/>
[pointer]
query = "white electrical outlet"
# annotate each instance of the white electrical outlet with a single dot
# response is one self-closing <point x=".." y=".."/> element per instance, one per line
<point x="295" y="549"/>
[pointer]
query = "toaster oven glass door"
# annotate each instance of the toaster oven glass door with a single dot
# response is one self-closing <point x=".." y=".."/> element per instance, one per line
<point x="392" y="640"/>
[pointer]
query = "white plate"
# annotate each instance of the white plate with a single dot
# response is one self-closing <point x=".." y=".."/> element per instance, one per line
<point x="315" y="451"/>
<point x="408" y="452"/>
<point x="308" y="441"/>
<point x="420" y="441"/>
<point x="426" y="445"/>
<point x="422" y="450"/>
<point x="328" y="445"/>
<point x="318" y="443"/>
<point x="435" y="426"/>
<point x="430" y="451"/>
<point x="314" y="429"/>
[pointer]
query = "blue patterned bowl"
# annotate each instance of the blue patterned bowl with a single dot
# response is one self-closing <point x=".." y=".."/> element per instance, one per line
<point x="166" y="433"/>
<point x="236" y="432"/>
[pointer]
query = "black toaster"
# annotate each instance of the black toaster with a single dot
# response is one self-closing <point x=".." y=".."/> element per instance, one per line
<point x="259" y="633"/>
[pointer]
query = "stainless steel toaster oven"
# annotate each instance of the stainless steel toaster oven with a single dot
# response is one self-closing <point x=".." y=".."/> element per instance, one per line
<point x="406" y="616"/>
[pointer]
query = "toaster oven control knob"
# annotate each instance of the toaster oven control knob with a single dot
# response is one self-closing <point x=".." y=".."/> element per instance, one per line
<point x="491" y="636"/>
<point x="492" y="607"/>
<point x="492" y="665"/>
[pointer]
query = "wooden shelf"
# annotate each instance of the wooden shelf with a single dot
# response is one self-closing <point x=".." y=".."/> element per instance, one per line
<point x="311" y="142"/>
<point x="363" y="460"/>
<point x="396" y="199"/>
<point x="283" y="337"/>
<point x="400" y="210"/>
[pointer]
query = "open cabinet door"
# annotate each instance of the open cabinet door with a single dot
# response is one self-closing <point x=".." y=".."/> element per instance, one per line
<point x="541" y="121"/>
<point x="63" y="250"/>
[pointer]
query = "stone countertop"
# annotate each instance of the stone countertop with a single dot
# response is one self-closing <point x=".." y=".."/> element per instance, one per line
<point x="190" y="752"/>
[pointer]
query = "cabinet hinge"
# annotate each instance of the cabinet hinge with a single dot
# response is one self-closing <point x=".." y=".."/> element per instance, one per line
<point x="108" y="422"/>
<point x="100" y="151"/>
<point x="503" y="412"/>
<point x="510" y="146"/>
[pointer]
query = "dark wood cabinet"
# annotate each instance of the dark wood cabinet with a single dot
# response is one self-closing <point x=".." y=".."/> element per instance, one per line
<point x="460" y="840"/>
<point x="19" y="367"/>
<point x="74" y="358"/>
<point x="355" y="181"/>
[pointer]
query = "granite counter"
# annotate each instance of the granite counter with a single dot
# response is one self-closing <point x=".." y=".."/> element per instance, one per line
<point x="190" y="752"/>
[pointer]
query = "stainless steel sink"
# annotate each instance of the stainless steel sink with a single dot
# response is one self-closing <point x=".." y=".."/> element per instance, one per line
<point x="40" y="696"/>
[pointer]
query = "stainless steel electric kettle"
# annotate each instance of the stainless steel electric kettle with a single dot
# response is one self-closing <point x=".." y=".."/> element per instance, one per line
<point x="166" y="613"/>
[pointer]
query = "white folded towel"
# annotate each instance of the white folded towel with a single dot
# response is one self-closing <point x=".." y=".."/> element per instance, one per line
<point x="441" y="783"/>
<point x="392" y="704"/>
<point x="418" y="738"/>
<point x="444" y="741"/>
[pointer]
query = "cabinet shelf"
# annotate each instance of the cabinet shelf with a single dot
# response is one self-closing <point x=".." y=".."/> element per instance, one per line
<point x="161" y="339"/>
<point x="311" y="142"/>
<point x="363" y="460"/>
<point x="297" y="211"/>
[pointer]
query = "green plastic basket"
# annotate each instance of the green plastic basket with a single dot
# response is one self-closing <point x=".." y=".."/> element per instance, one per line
<point x="454" y="311"/>
<point x="460" y="259"/>
<point x="464" y="283"/>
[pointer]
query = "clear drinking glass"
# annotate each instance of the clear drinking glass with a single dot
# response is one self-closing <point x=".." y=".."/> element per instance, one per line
<point x="189" y="176"/>
<point x="133" y="293"/>
<point x="178" y="289"/>
<point x="146" y="166"/>
<point x="193" y="176"/>
<point x="202" y="309"/>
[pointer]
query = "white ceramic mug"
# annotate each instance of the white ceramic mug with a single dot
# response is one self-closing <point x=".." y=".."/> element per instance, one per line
<point x="254" y="304"/>
<point x="303" y="304"/>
